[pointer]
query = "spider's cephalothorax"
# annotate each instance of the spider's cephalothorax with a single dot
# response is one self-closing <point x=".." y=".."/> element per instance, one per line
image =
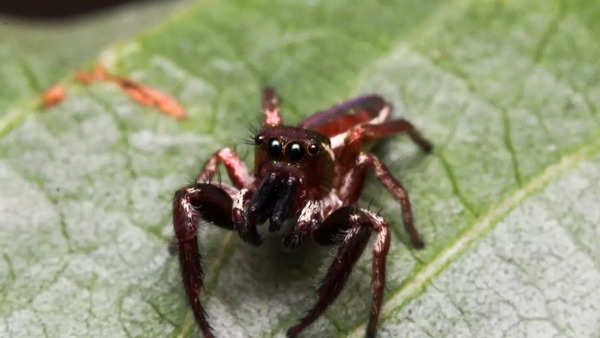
<point x="312" y="173"/>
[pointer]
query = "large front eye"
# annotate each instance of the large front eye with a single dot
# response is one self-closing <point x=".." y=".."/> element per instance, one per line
<point x="274" y="147"/>
<point x="294" y="151"/>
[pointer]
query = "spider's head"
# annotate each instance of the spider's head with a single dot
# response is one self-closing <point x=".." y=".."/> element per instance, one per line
<point x="299" y="153"/>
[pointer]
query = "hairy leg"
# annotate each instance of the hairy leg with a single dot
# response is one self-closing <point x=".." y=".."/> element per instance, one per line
<point x="398" y="126"/>
<point x="355" y="139"/>
<point x="191" y="205"/>
<point x="270" y="105"/>
<point x="351" y="192"/>
<point x="344" y="228"/>
<point x="236" y="169"/>
<point x="381" y="248"/>
<point x="339" y="119"/>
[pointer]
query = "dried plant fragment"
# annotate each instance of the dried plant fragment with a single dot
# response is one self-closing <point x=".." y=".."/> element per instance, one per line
<point x="140" y="93"/>
<point x="54" y="95"/>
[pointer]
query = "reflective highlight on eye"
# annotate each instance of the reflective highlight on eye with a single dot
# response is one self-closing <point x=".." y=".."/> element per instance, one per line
<point x="275" y="147"/>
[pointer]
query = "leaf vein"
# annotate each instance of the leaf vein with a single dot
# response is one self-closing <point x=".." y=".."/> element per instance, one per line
<point x="549" y="33"/>
<point x="454" y="183"/>
<point x="506" y="127"/>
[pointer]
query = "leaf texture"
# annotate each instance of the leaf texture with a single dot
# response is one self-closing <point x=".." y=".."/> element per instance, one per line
<point x="507" y="203"/>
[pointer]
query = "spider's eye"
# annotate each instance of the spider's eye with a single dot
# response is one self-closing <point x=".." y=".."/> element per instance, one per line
<point x="313" y="149"/>
<point x="259" y="139"/>
<point x="274" y="147"/>
<point x="294" y="151"/>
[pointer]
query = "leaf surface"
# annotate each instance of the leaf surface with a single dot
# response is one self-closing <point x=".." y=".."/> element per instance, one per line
<point x="508" y="92"/>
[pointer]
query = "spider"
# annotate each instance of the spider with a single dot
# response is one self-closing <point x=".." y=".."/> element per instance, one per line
<point x="312" y="173"/>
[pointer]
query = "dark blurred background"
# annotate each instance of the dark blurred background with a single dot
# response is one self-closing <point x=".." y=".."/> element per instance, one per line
<point x="57" y="9"/>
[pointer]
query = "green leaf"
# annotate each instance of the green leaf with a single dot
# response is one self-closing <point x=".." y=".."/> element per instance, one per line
<point x="508" y="92"/>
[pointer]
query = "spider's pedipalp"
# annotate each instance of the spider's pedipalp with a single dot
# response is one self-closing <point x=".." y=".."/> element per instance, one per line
<point x="286" y="198"/>
<point x="262" y="199"/>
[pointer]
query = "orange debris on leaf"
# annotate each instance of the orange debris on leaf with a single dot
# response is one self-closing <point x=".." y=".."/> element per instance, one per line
<point x="140" y="93"/>
<point x="54" y="95"/>
<point x="97" y="74"/>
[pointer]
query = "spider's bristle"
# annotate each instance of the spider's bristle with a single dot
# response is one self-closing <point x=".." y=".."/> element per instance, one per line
<point x="219" y="177"/>
<point x="253" y="129"/>
<point x="248" y="140"/>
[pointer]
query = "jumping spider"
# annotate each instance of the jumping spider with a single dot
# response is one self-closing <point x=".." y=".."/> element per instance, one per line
<point x="313" y="173"/>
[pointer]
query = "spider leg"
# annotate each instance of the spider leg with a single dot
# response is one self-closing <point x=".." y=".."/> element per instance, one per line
<point x="352" y="244"/>
<point x="356" y="138"/>
<point x="338" y="119"/>
<point x="397" y="126"/>
<point x="270" y="105"/>
<point x="191" y="205"/>
<point x="236" y="169"/>
<point x="381" y="248"/>
<point x="355" y="225"/>
<point x="357" y="175"/>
